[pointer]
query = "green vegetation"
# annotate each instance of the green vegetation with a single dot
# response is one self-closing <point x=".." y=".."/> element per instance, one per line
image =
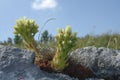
<point x="104" y="40"/>
<point x="27" y="28"/>
<point x="65" y="42"/>
<point x="47" y="40"/>
<point x="18" y="42"/>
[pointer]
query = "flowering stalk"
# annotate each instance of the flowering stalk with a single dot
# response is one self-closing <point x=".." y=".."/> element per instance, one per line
<point x="65" y="42"/>
<point x="27" y="28"/>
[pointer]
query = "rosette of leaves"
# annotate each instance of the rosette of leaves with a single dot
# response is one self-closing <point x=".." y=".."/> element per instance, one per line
<point x="27" y="28"/>
<point x="66" y="41"/>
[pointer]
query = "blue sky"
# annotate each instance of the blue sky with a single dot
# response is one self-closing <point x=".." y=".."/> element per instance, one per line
<point x="85" y="16"/>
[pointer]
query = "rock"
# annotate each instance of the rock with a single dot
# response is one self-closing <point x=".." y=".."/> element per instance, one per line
<point x="12" y="55"/>
<point x="103" y="62"/>
<point x="93" y="79"/>
<point x="17" y="64"/>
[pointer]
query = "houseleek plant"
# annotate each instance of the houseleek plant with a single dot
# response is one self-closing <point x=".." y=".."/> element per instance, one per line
<point x="27" y="28"/>
<point x="66" y="40"/>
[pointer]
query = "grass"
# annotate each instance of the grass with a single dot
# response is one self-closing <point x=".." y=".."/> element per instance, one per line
<point x="105" y="40"/>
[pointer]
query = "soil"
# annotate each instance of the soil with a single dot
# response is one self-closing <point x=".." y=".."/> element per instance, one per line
<point x="77" y="71"/>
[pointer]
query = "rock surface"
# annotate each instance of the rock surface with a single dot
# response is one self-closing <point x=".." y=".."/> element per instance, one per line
<point x="17" y="64"/>
<point x="103" y="62"/>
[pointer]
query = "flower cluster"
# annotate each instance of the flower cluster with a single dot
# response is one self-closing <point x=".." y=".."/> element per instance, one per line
<point x="65" y="42"/>
<point x="27" y="28"/>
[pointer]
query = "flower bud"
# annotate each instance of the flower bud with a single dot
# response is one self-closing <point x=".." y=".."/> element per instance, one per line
<point x="63" y="30"/>
<point x="68" y="29"/>
<point x="65" y="35"/>
<point x="63" y="42"/>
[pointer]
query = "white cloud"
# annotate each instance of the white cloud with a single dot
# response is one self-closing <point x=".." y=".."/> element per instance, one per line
<point x="44" y="4"/>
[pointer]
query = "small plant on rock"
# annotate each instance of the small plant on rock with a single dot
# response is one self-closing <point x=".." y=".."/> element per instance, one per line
<point x="66" y="40"/>
<point x="27" y="28"/>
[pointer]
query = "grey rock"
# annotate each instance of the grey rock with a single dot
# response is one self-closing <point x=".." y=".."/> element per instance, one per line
<point x="11" y="55"/>
<point x="103" y="62"/>
<point x="93" y="79"/>
<point x="17" y="64"/>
